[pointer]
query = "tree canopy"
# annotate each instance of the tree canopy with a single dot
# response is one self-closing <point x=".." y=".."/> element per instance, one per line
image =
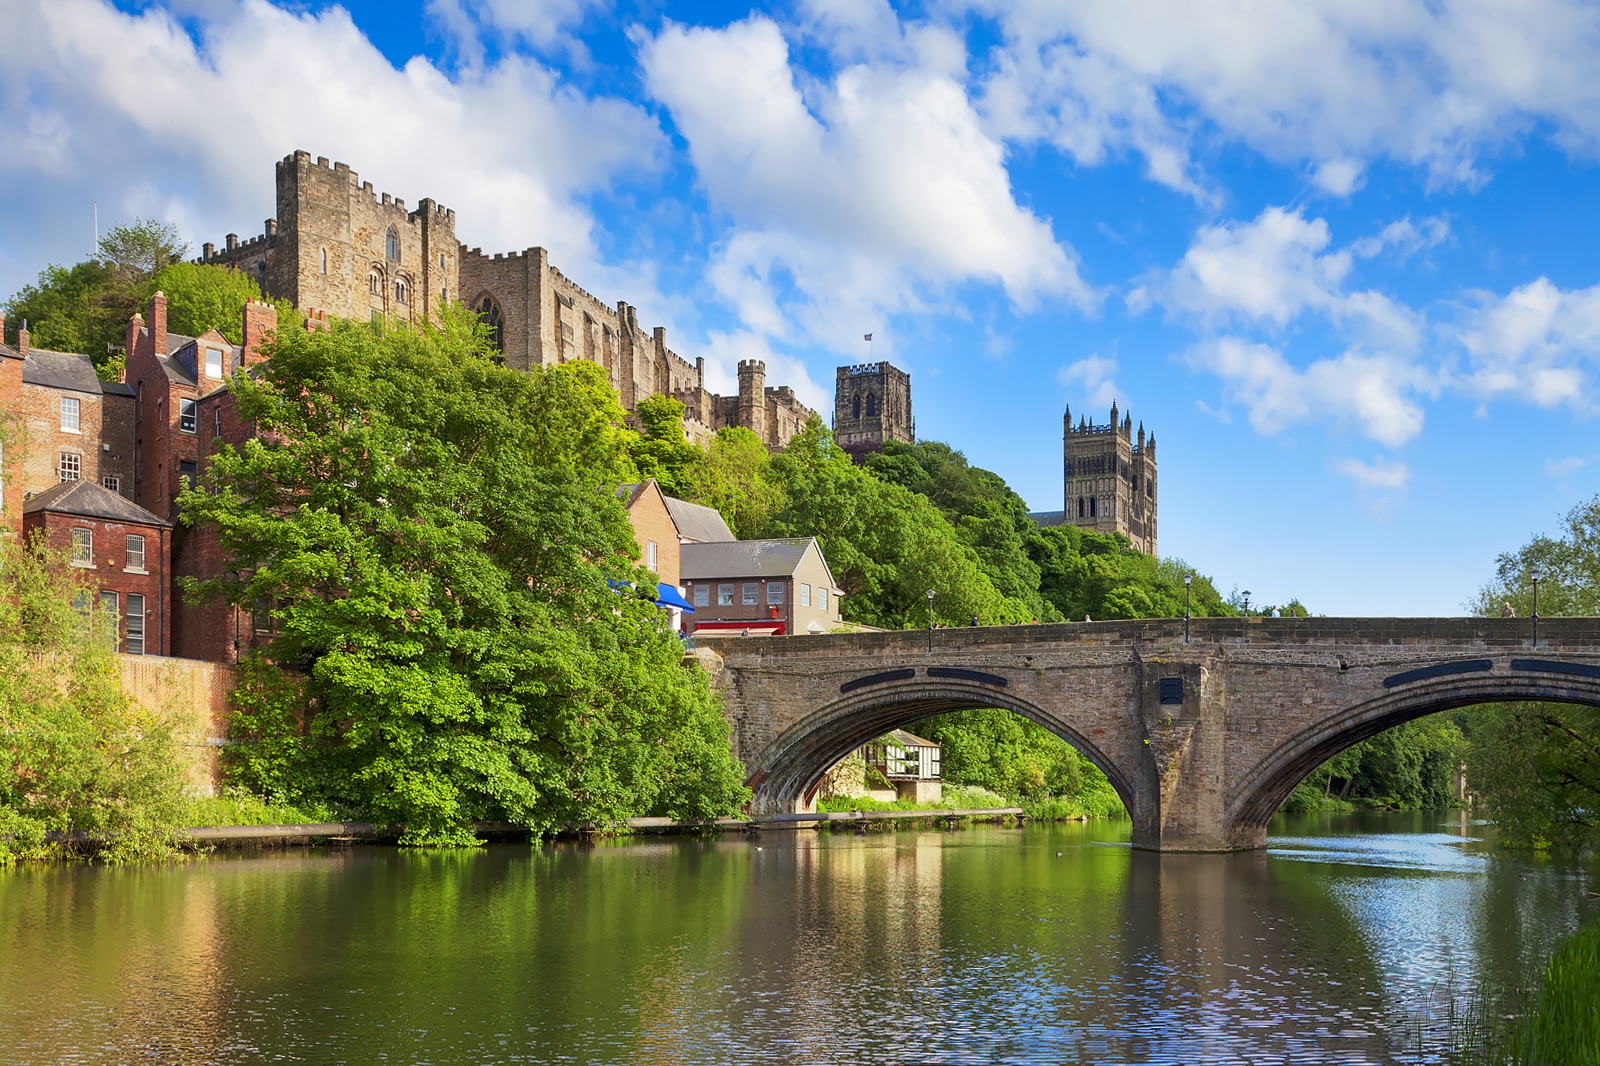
<point x="440" y="547"/>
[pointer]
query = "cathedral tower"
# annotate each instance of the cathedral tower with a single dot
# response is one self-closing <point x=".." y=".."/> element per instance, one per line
<point x="1109" y="477"/>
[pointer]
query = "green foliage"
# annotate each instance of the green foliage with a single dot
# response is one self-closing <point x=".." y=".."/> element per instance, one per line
<point x="1016" y="758"/>
<point x="736" y="478"/>
<point x="1560" y="1024"/>
<point x="1411" y="767"/>
<point x="661" y="451"/>
<point x="139" y="250"/>
<point x="1537" y="767"/>
<point x="434" y="535"/>
<point x="75" y="752"/>
<point x="236" y="806"/>
<point x="953" y="798"/>
<point x="202" y="297"/>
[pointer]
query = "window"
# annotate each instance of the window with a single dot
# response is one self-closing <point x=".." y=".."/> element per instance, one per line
<point x="186" y="416"/>
<point x="109" y="602"/>
<point x="216" y="421"/>
<point x="375" y="284"/>
<point x="111" y="483"/>
<point x="872" y="404"/>
<point x="822" y="597"/>
<point x="1080" y="506"/>
<point x="324" y="260"/>
<point x="489" y="315"/>
<point x="441" y="259"/>
<point x="855" y="407"/>
<point x="724" y="595"/>
<point x="752" y="594"/>
<point x="135" y="552"/>
<point x="71" y="466"/>
<point x="775" y="593"/>
<point x="214" y="363"/>
<point x="83" y="547"/>
<point x="391" y="245"/>
<point x="1091" y="506"/>
<point x="186" y="473"/>
<point x="650" y="555"/>
<point x="702" y="595"/>
<point x="69" y="415"/>
<point x="401" y="293"/>
<point x="805" y="595"/>
<point x="135" y="625"/>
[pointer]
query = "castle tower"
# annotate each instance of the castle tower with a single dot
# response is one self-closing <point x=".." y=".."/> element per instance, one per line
<point x="753" y="396"/>
<point x="871" y="405"/>
<point x="1109" y="478"/>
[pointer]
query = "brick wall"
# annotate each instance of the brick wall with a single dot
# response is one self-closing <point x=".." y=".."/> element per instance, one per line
<point x="196" y="695"/>
<point x="103" y="443"/>
<point x="11" y="476"/>
<point x="652" y="522"/>
<point x="110" y="573"/>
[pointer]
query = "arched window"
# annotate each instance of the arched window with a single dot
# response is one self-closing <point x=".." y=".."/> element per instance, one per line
<point x="855" y="407"/>
<point x="324" y="260"/>
<point x="1080" y="506"/>
<point x="872" y="405"/>
<point x="375" y="283"/>
<point x="391" y="246"/>
<point x="489" y="314"/>
<point x="402" y="292"/>
<point x="1091" y="506"/>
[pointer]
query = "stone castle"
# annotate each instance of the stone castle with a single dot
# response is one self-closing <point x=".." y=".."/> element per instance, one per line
<point x="1108" y="479"/>
<point x="338" y="248"/>
<point x="871" y="406"/>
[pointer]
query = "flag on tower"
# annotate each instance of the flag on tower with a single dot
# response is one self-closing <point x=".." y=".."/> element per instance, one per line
<point x="868" y="337"/>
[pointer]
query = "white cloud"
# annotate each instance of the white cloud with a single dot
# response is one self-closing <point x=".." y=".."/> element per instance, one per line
<point x="1405" y="237"/>
<point x="1331" y="82"/>
<point x="1537" y="343"/>
<point x="1561" y="469"/>
<point x="724" y="351"/>
<point x="1092" y="378"/>
<point x="1377" y="393"/>
<point x="871" y="194"/>
<point x="118" y="105"/>
<point x="1276" y="268"/>
<point x="542" y="24"/>
<point x="1377" y="476"/>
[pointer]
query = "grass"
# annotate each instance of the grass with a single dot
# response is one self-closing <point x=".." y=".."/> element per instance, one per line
<point x="237" y="807"/>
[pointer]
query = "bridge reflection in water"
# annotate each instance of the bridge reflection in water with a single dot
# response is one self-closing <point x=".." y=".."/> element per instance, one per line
<point x="1202" y="738"/>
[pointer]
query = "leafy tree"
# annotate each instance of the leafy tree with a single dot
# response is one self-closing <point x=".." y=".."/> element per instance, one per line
<point x="437" y="539"/>
<point x="75" y="752"/>
<point x="137" y="251"/>
<point x="661" y="450"/>
<point x="736" y="478"/>
<point x="1008" y="754"/>
<point x="201" y="297"/>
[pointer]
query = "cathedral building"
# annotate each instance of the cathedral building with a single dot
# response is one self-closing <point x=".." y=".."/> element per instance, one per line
<point x="1109" y="480"/>
<point x="339" y="248"/>
<point x="871" y="406"/>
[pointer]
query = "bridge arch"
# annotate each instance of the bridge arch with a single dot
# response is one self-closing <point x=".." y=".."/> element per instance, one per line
<point x="787" y="770"/>
<point x="1257" y="793"/>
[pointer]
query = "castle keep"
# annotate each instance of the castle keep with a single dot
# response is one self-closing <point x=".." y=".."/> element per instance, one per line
<point x="872" y="405"/>
<point x="1108" y="479"/>
<point x="339" y="248"/>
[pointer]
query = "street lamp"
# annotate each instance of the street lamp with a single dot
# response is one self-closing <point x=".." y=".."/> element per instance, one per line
<point x="1536" y="574"/>
<point x="930" y="620"/>
<point x="1187" y="580"/>
<point x="1246" y="595"/>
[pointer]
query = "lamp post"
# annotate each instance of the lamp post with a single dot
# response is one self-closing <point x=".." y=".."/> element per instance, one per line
<point x="1188" y="580"/>
<point x="1535" y="574"/>
<point x="1246" y="595"/>
<point x="930" y="620"/>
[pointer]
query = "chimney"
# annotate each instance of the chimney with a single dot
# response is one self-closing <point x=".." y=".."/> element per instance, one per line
<point x="270" y="228"/>
<point x="232" y="240"/>
<point x="2" y="325"/>
<point x="22" y="339"/>
<point x="158" y="323"/>
<point x="260" y="320"/>
<point x="208" y="252"/>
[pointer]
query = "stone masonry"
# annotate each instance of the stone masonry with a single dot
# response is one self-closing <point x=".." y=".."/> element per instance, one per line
<point x="1202" y="739"/>
<point x="1108" y="480"/>
<point x="339" y="248"/>
<point x="871" y="406"/>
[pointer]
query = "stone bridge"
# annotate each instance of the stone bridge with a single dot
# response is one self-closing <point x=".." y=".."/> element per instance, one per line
<point x="1202" y="739"/>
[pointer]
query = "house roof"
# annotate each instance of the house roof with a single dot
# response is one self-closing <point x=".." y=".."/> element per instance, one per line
<point x="907" y="740"/>
<point x="747" y="558"/>
<point x="89" y="500"/>
<point x="64" y="370"/>
<point x="698" y="523"/>
<point x="1049" y="518"/>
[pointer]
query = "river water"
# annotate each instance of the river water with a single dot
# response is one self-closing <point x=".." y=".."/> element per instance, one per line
<point x="1343" y="943"/>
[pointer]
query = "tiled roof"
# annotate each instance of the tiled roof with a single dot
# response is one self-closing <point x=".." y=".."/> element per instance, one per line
<point x="64" y="370"/>
<point x="698" y="523"/>
<point x="1049" y="518"/>
<point x="744" y="558"/>
<point x="89" y="500"/>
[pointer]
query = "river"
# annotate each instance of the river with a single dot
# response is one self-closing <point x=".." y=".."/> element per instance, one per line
<point x="1342" y="943"/>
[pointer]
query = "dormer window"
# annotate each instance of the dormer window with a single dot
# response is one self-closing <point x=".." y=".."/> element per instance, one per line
<point x="214" y="363"/>
<point x="391" y="246"/>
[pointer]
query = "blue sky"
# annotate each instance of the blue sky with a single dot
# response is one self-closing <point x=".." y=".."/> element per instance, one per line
<point x="1337" y="256"/>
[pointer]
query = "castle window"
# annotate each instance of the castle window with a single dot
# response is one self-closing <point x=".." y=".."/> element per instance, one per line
<point x="1069" y="469"/>
<point x="489" y="315"/>
<point x="1091" y="507"/>
<point x="375" y="284"/>
<point x="391" y="246"/>
<point x="441" y="259"/>
<point x="1080" y="506"/>
<point x="401" y="295"/>
<point x="855" y="407"/>
<point x="324" y="260"/>
<point x="872" y="404"/>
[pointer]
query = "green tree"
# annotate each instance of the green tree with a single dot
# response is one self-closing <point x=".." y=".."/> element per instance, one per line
<point x="75" y="752"/>
<point x="661" y="450"/>
<point x="736" y="478"/>
<point x="441" y="548"/>
<point x="201" y="297"/>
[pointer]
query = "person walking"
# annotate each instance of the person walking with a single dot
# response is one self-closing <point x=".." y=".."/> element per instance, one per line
<point x="1507" y="612"/>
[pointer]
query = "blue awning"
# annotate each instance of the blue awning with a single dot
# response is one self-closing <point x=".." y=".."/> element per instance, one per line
<point x="668" y="596"/>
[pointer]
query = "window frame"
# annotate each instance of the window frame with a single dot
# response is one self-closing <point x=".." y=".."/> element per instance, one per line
<point x="700" y="595"/>
<point x="775" y="594"/>
<point x="131" y="631"/>
<point x="83" y="547"/>
<point x="750" y="594"/>
<point x="725" y="594"/>
<point x="188" y="415"/>
<point x="73" y="405"/>
<point x="76" y="465"/>
<point x="217" y="352"/>
<point x="805" y="594"/>
<point x="111" y="483"/>
<point x="128" y="552"/>
<point x="822" y="597"/>
<point x="652" y="552"/>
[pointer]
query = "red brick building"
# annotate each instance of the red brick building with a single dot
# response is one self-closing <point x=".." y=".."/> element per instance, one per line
<point x="10" y="436"/>
<point x="124" y="548"/>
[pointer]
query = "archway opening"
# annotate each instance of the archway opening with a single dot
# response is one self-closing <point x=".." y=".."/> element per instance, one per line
<point x="489" y="313"/>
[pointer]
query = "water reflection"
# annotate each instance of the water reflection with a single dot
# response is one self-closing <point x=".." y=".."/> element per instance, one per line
<point x="1050" y="944"/>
